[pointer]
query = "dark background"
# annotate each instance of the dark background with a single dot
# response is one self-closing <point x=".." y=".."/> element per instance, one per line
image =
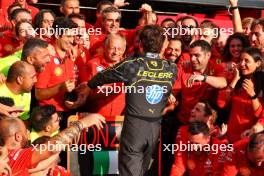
<point x="208" y="7"/>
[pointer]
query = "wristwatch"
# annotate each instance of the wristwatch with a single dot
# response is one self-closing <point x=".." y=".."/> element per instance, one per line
<point x="254" y="97"/>
<point x="233" y="8"/>
<point x="205" y="77"/>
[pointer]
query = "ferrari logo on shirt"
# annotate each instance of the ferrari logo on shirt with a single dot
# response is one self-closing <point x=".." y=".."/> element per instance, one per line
<point x="82" y="54"/>
<point x="154" y="63"/>
<point x="99" y="68"/>
<point x="58" y="71"/>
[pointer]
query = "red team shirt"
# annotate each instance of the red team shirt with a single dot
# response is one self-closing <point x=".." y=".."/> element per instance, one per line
<point x="108" y="105"/>
<point x="242" y="115"/>
<point x="206" y="164"/>
<point x="237" y="162"/>
<point x="56" y="72"/>
<point x="9" y="44"/>
<point x="20" y="161"/>
<point x="199" y="91"/>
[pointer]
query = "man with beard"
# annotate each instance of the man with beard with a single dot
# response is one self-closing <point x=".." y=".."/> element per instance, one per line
<point x="174" y="50"/>
<point x="20" y="80"/>
<point x="34" y="52"/>
<point x="188" y="28"/>
<point x="81" y="44"/>
<point x="60" y="74"/>
<point x="14" y="136"/>
<point x="198" y="80"/>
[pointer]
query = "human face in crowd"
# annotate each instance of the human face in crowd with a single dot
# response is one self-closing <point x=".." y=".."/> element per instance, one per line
<point x="198" y="113"/>
<point x="256" y="157"/>
<point x="103" y="7"/>
<point x="71" y="6"/>
<point x="29" y="79"/>
<point x="112" y="22"/>
<point x="173" y="51"/>
<point x="39" y="59"/>
<point x="21" y="2"/>
<point x="23" y="16"/>
<point x="167" y="24"/>
<point x="199" y="139"/>
<point x="208" y="34"/>
<point x="115" y="50"/>
<point x="246" y="29"/>
<point x="221" y="42"/>
<point x="190" y="25"/>
<point x="47" y="21"/>
<point x="247" y="64"/>
<point x="26" y="31"/>
<point x="65" y="41"/>
<point x="235" y="47"/>
<point x="257" y="37"/>
<point x="78" y="39"/>
<point x="199" y="58"/>
<point x="54" y="123"/>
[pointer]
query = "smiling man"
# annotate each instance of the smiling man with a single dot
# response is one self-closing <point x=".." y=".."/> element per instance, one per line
<point x="198" y="80"/>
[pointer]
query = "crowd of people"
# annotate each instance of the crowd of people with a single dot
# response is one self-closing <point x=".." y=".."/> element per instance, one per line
<point x="52" y="67"/>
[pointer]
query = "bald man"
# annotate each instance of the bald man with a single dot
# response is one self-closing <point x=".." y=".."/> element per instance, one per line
<point x="14" y="137"/>
<point x="20" y="80"/>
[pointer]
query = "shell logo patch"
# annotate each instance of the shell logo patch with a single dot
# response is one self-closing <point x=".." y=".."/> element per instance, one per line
<point x="56" y="61"/>
<point x="99" y="68"/>
<point x="58" y="71"/>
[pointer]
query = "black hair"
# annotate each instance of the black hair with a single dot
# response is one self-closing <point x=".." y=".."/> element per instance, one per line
<point x="41" y="117"/>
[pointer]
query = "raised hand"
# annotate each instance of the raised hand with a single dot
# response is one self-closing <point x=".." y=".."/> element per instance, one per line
<point x="248" y="86"/>
<point x="120" y="3"/>
<point x="90" y="119"/>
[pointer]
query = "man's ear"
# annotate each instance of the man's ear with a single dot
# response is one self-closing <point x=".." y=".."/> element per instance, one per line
<point x="30" y="59"/>
<point x="208" y="55"/>
<point x="18" y="137"/>
<point x="20" y="80"/>
<point x="47" y="128"/>
<point x="259" y="64"/>
<point x="61" y="9"/>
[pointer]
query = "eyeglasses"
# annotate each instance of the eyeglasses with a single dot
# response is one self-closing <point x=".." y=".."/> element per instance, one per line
<point x="188" y="27"/>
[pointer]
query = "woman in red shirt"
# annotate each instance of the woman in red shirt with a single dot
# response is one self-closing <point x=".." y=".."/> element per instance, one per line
<point x="244" y="93"/>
